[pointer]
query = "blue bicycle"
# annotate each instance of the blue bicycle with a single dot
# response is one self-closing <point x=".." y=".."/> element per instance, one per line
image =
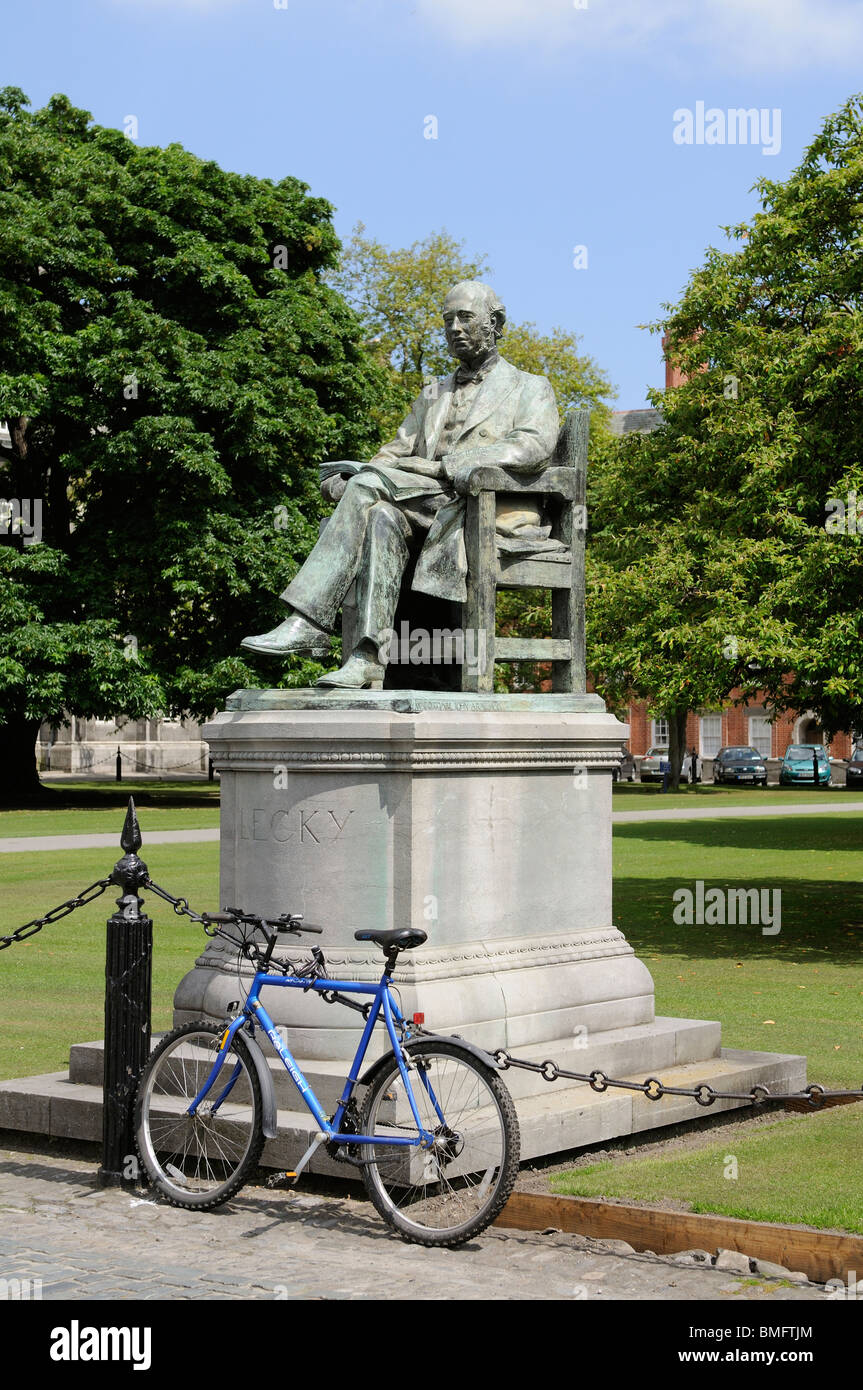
<point x="436" y="1138"/>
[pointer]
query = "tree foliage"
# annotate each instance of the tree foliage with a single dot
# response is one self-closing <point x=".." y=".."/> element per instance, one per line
<point x="399" y="294"/>
<point x="172" y="366"/>
<point x="713" y="560"/>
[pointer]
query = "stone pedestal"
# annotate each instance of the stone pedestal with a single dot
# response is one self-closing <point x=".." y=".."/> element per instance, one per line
<point x="486" y="820"/>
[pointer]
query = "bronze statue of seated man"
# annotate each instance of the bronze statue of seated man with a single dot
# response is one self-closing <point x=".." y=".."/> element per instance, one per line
<point x="407" y="498"/>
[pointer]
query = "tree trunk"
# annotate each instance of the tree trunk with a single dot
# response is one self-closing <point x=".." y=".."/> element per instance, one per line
<point x="19" y="777"/>
<point x="676" y="745"/>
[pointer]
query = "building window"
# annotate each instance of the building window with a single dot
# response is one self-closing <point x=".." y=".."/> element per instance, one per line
<point x="710" y="734"/>
<point x="761" y="734"/>
<point x="659" y="733"/>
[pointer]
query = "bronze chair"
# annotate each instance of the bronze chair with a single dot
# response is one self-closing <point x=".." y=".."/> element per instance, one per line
<point x="561" y="484"/>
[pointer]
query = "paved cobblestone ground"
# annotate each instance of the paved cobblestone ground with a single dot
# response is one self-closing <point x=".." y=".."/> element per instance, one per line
<point x="88" y="1243"/>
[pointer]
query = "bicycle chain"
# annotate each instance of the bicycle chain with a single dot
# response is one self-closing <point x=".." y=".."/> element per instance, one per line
<point x="87" y="895"/>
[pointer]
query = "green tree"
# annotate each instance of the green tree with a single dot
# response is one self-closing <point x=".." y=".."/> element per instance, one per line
<point x="671" y="613"/>
<point x="720" y="555"/>
<point x="172" y="366"/>
<point x="399" y="296"/>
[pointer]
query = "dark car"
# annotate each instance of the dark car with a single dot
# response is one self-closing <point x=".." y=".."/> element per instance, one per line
<point x="798" y="766"/>
<point x="854" y="770"/>
<point x="740" y="765"/>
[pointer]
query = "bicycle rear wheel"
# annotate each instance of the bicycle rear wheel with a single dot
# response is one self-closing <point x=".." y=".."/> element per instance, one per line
<point x="198" y="1160"/>
<point x="453" y="1191"/>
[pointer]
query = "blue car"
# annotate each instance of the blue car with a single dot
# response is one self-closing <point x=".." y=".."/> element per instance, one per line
<point x="798" y="765"/>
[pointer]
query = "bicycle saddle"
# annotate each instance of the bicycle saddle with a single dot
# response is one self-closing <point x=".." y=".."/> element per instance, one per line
<point x="402" y="938"/>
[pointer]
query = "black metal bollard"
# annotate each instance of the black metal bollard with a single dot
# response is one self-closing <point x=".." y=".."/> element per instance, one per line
<point x="128" y="972"/>
<point x="119" y="768"/>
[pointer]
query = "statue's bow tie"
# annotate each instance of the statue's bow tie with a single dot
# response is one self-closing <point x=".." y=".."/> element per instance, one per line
<point x="469" y="376"/>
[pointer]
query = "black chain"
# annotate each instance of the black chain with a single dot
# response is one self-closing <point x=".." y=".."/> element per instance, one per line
<point x="654" y="1089"/>
<point x="332" y="996"/>
<point x="87" y="895"/>
<point x="180" y="905"/>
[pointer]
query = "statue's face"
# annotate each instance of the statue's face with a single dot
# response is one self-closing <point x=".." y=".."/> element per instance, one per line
<point x="468" y="325"/>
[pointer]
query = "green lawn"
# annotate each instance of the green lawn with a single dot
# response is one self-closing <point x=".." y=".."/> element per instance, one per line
<point x="799" y="991"/>
<point x="98" y="807"/>
<point x="86" y="808"/>
<point x="804" y="1170"/>
<point x="649" y="796"/>
<point x="52" y="986"/>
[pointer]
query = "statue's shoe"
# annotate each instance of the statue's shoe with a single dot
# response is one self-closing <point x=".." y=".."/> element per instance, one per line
<point x="295" y="634"/>
<point x="357" y="673"/>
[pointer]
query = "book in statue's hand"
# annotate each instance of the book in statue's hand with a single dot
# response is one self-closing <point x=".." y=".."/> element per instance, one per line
<point x="407" y="478"/>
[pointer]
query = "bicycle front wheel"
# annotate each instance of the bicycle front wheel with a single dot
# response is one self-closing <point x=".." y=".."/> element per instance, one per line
<point x="198" y="1160"/>
<point x="454" y="1190"/>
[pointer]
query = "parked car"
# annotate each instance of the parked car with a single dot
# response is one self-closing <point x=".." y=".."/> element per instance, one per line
<point x="626" y="771"/>
<point x="740" y="765"/>
<point x="854" y="770"/>
<point x="655" y="762"/>
<point x="798" y="766"/>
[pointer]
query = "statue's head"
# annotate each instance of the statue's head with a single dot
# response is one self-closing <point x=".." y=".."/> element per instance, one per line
<point x="473" y="319"/>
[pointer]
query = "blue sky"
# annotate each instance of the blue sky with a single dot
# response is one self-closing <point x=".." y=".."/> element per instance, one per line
<point x="555" y="123"/>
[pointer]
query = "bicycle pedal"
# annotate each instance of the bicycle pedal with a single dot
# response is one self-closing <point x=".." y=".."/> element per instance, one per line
<point x="286" y="1179"/>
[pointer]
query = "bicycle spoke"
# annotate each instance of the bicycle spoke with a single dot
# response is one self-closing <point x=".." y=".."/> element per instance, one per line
<point x="438" y="1195"/>
<point x="198" y="1159"/>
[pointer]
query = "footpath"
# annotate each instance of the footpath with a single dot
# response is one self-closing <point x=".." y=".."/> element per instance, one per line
<point x="23" y="844"/>
<point x="89" y="1243"/>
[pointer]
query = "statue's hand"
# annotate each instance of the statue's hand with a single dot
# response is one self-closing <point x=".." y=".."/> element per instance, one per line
<point x="333" y="488"/>
<point x="458" y="468"/>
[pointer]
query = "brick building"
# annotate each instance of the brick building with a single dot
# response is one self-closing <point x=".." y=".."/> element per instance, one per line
<point x="744" y="725"/>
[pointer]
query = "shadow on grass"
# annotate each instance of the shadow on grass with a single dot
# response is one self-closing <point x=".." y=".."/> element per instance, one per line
<point x="818" y="920"/>
<point x="819" y="916"/>
<point x="774" y="835"/>
<point x="106" y="796"/>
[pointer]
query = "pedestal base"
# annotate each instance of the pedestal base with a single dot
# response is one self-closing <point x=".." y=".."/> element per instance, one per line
<point x="485" y="820"/>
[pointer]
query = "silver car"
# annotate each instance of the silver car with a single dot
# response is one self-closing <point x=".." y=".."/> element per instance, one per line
<point x="657" y="759"/>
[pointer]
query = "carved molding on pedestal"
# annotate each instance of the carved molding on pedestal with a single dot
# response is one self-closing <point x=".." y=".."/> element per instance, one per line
<point x="447" y="962"/>
<point x="555" y="759"/>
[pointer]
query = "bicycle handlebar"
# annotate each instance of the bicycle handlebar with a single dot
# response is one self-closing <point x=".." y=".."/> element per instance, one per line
<point x="288" y="922"/>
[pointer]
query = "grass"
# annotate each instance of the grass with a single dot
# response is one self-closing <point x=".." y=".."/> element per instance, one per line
<point x="52" y="986"/>
<point x="70" y="808"/>
<point x="805" y="1170"/>
<point x="81" y="808"/>
<point x="800" y="991"/>
<point x="644" y="796"/>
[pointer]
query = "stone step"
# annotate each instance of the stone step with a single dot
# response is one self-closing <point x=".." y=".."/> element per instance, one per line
<point x="559" y="1119"/>
<point x="648" y="1049"/>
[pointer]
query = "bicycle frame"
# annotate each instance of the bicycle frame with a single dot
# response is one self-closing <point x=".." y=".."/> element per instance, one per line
<point x="254" y="1012"/>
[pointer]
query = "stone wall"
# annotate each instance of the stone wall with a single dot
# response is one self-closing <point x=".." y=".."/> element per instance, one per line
<point x="146" y="745"/>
